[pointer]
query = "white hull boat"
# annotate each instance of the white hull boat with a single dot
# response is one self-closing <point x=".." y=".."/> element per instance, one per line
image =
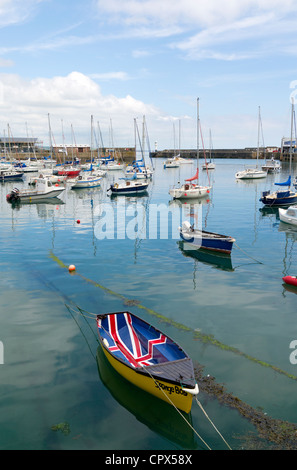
<point x="272" y="166"/>
<point x="289" y="215"/>
<point x="140" y="172"/>
<point x="44" y="189"/>
<point x="209" y="166"/>
<point x="250" y="173"/>
<point x="172" y="163"/>
<point x="84" y="181"/>
<point x="189" y="191"/>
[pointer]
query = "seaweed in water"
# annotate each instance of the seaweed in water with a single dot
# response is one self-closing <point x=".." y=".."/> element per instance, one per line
<point x="63" y="427"/>
<point x="278" y="434"/>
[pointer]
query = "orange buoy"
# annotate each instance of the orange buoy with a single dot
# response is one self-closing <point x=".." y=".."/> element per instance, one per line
<point x="71" y="268"/>
<point x="78" y="221"/>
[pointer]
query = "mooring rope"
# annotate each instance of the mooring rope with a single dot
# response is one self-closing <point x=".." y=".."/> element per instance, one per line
<point x="254" y="259"/>
<point x="93" y="316"/>
<point x="212" y="423"/>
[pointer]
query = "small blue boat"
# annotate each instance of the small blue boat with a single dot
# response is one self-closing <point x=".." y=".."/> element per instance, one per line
<point x="129" y="187"/>
<point x="10" y="175"/>
<point x="207" y="240"/>
<point x="279" y="198"/>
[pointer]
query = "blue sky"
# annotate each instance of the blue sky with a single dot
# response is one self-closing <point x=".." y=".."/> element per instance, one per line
<point x="122" y="59"/>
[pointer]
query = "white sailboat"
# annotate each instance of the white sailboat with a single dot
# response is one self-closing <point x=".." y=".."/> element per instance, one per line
<point x="253" y="173"/>
<point x="189" y="189"/>
<point x="139" y="166"/>
<point x="209" y="165"/>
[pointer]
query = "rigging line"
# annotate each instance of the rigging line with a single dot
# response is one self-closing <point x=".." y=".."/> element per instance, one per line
<point x="180" y="326"/>
<point x="166" y="396"/>
<point x="81" y="332"/>
<point x="179" y="412"/>
<point x="200" y="405"/>
<point x="257" y="261"/>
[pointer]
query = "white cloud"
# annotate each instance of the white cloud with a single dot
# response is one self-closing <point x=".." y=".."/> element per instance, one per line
<point x="73" y="98"/>
<point x="110" y="76"/>
<point x="217" y="29"/>
<point x="16" y="11"/>
<point x="190" y="12"/>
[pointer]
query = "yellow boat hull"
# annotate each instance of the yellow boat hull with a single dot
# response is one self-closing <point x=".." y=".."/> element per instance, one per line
<point x="168" y="392"/>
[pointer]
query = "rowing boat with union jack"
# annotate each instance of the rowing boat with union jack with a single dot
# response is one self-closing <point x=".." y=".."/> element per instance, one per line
<point x="148" y="358"/>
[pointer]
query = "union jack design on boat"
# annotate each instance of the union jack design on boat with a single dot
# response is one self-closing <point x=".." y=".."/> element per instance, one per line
<point x="148" y="358"/>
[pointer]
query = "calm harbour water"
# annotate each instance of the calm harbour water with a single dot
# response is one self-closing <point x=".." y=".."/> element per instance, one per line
<point x="57" y="392"/>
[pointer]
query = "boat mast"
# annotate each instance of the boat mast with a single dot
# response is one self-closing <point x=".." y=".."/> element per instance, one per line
<point x="198" y="127"/>
<point x="259" y="119"/>
<point x="291" y="145"/>
<point x="50" y="140"/>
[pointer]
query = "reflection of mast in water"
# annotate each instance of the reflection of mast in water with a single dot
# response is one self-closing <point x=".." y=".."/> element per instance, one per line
<point x="291" y="238"/>
<point x="47" y="210"/>
<point x="162" y="418"/>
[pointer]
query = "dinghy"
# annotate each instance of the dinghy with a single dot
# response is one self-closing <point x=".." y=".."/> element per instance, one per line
<point x="148" y="358"/>
<point x="289" y="215"/>
<point x="207" y="240"/>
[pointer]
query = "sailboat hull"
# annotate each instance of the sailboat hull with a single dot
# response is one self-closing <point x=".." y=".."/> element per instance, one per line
<point x="189" y="191"/>
<point x="279" y="198"/>
<point x="208" y="240"/>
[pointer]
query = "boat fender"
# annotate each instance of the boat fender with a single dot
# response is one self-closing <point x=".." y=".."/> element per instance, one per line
<point x="105" y="342"/>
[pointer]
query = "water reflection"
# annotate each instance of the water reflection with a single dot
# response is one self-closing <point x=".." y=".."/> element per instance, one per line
<point x="217" y="260"/>
<point x="160" y="417"/>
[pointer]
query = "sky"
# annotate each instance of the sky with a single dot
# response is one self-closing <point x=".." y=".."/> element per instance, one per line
<point x="64" y="61"/>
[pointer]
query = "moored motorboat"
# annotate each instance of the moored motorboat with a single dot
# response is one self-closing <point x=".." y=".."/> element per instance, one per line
<point x="44" y="189"/>
<point x="271" y="165"/>
<point x="208" y="240"/>
<point x="148" y="358"/>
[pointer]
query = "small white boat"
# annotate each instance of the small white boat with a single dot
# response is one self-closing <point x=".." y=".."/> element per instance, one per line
<point x="84" y="181"/>
<point x="173" y="162"/>
<point x="289" y="215"/>
<point x="112" y="165"/>
<point x="251" y="173"/>
<point x="141" y="172"/>
<point x="44" y="189"/>
<point x="271" y="165"/>
<point x="208" y="166"/>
